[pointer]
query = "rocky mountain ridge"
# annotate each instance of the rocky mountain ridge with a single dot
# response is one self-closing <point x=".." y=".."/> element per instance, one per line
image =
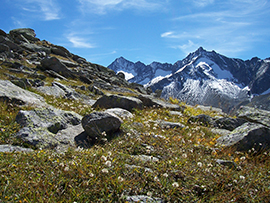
<point x="203" y="77"/>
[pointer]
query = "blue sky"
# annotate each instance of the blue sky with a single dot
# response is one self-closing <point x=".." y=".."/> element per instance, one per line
<point x="145" y="30"/>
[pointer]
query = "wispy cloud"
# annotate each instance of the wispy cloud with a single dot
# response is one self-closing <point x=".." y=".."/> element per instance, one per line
<point x="79" y="42"/>
<point x="102" y="7"/>
<point x="202" y="3"/>
<point x="48" y="10"/>
<point x="229" y="31"/>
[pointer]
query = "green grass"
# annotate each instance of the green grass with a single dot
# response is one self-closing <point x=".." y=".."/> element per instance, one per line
<point x="186" y="171"/>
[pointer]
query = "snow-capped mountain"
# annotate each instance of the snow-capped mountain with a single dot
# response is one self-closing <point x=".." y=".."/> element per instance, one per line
<point x="139" y="72"/>
<point x="203" y="77"/>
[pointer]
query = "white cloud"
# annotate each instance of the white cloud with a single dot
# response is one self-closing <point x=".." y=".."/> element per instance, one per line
<point x="202" y="3"/>
<point x="187" y="48"/>
<point x="229" y="31"/>
<point x="102" y="7"/>
<point x="79" y="42"/>
<point x="48" y="10"/>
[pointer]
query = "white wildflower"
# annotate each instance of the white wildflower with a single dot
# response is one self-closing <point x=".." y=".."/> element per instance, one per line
<point x="66" y="168"/>
<point x="104" y="170"/>
<point x="108" y="163"/>
<point x="91" y="175"/>
<point x="120" y="179"/>
<point x="165" y="175"/>
<point x="175" y="184"/>
<point x="243" y="158"/>
<point x="184" y="156"/>
<point x="242" y="177"/>
<point x="104" y="158"/>
<point x="149" y="194"/>
<point x="199" y="164"/>
<point x="156" y="179"/>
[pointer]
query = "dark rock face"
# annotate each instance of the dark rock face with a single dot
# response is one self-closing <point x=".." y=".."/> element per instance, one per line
<point x="202" y="119"/>
<point x="55" y="64"/>
<point x="95" y="124"/>
<point x="116" y="101"/>
<point x="150" y="101"/>
<point x="229" y="123"/>
<point x="246" y="137"/>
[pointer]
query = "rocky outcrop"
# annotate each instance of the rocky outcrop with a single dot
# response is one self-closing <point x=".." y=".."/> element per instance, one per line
<point x="49" y="127"/>
<point x="116" y="101"/>
<point x="14" y="94"/>
<point x="10" y="148"/>
<point x="100" y="124"/>
<point x="56" y="65"/>
<point x="150" y="101"/>
<point x="246" y="137"/>
<point x="254" y="115"/>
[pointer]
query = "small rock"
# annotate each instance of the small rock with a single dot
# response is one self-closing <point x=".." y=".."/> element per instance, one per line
<point x="143" y="199"/>
<point x="230" y="164"/>
<point x="145" y="158"/>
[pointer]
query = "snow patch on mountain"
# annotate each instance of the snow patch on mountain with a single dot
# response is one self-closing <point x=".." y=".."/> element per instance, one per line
<point x="128" y="76"/>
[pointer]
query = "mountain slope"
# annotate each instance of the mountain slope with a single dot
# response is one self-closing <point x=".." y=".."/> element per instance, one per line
<point x="204" y="77"/>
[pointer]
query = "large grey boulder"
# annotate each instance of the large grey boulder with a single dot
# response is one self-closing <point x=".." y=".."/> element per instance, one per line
<point x="95" y="124"/>
<point x="14" y="94"/>
<point x="246" y="137"/>
<point x="254" y="115"/>
<point x="56" y="65"/>
<point x="116" y="101"/>
<point x="151" y="101"/>
<point x="49" y="127"/>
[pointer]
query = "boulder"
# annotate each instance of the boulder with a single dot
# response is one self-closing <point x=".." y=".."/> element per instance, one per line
<point x="246" y="137"/>
<point x="3" y="33"/>
<point x="229" y="123"/>
<point x="122" y="113"/>
<point x="48" y="127"/>
<point x="116" y="101"/>
<point x="55" y="64"/>
<point x="95" y="124"/>
<point x="4" y="48"/>
<point x="203" y="120"/>
<point x="27" y="33"/>
<point x="151" y="101"/>
<point x="61" y="51"/>
<point x="51" y="90"/>
<point x="169" y="125"/>
<point x="11" y="148"/>
<point x="35" y="48"/>
<point x="14" y="94"/>
<point x="254" y="115"/>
